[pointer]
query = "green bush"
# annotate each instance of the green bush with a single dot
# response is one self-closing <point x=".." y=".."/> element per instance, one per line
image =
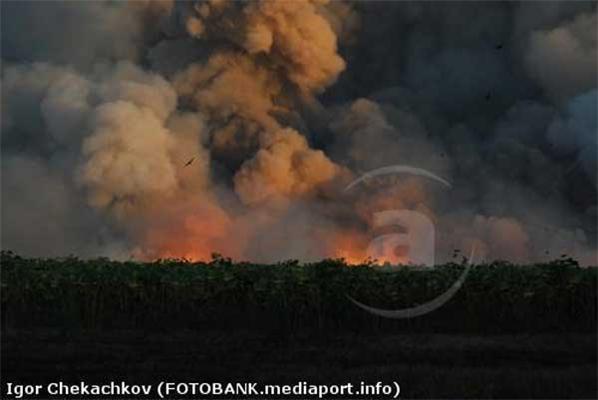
<point x="72" y="293"/>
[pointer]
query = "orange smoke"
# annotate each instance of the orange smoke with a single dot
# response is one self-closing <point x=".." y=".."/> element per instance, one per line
<point x="350" y="246"/>
<point x="210" y="160"/>
<point x="196" y="236"/>
<point x="353" y="247"/>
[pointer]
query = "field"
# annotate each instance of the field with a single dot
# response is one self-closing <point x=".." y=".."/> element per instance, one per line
<point x="510" y="332"/>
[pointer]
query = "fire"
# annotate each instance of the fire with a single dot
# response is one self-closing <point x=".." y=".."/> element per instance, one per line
<point x="195" y="228"/>
<point x="355" y="249"/>
<point x="350" y="247"/>
<point x="198" y="237"/>
<point x="195" y="237"/>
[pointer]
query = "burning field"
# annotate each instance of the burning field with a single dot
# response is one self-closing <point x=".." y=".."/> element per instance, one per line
<point x="226" y="190"/>
<point x="161" y="129"/>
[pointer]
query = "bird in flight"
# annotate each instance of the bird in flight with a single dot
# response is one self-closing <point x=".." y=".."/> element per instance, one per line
<point x="189" y="162"/>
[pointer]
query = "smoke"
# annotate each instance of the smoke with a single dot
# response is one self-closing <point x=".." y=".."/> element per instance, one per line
<point x="563" y="59"/>
<point x="295" y="36"/>
<point x="181" y="129"/>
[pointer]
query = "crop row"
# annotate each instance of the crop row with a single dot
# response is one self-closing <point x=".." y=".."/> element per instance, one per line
<point x="176" y="294"/>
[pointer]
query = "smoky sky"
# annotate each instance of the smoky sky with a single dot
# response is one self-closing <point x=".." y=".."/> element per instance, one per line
<point x="162" y="128"/>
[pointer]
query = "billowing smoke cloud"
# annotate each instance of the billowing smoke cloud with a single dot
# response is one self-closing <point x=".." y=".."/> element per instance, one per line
<point x="181" y="129"/>
<point x="563" y="59"/>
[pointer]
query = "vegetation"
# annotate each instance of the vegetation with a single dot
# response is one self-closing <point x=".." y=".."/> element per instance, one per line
<point x="497" y="297"/>
<point x="509" y="332"/>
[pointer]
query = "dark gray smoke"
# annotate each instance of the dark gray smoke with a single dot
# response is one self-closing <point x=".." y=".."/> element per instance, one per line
<point x="276" y="106"/>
